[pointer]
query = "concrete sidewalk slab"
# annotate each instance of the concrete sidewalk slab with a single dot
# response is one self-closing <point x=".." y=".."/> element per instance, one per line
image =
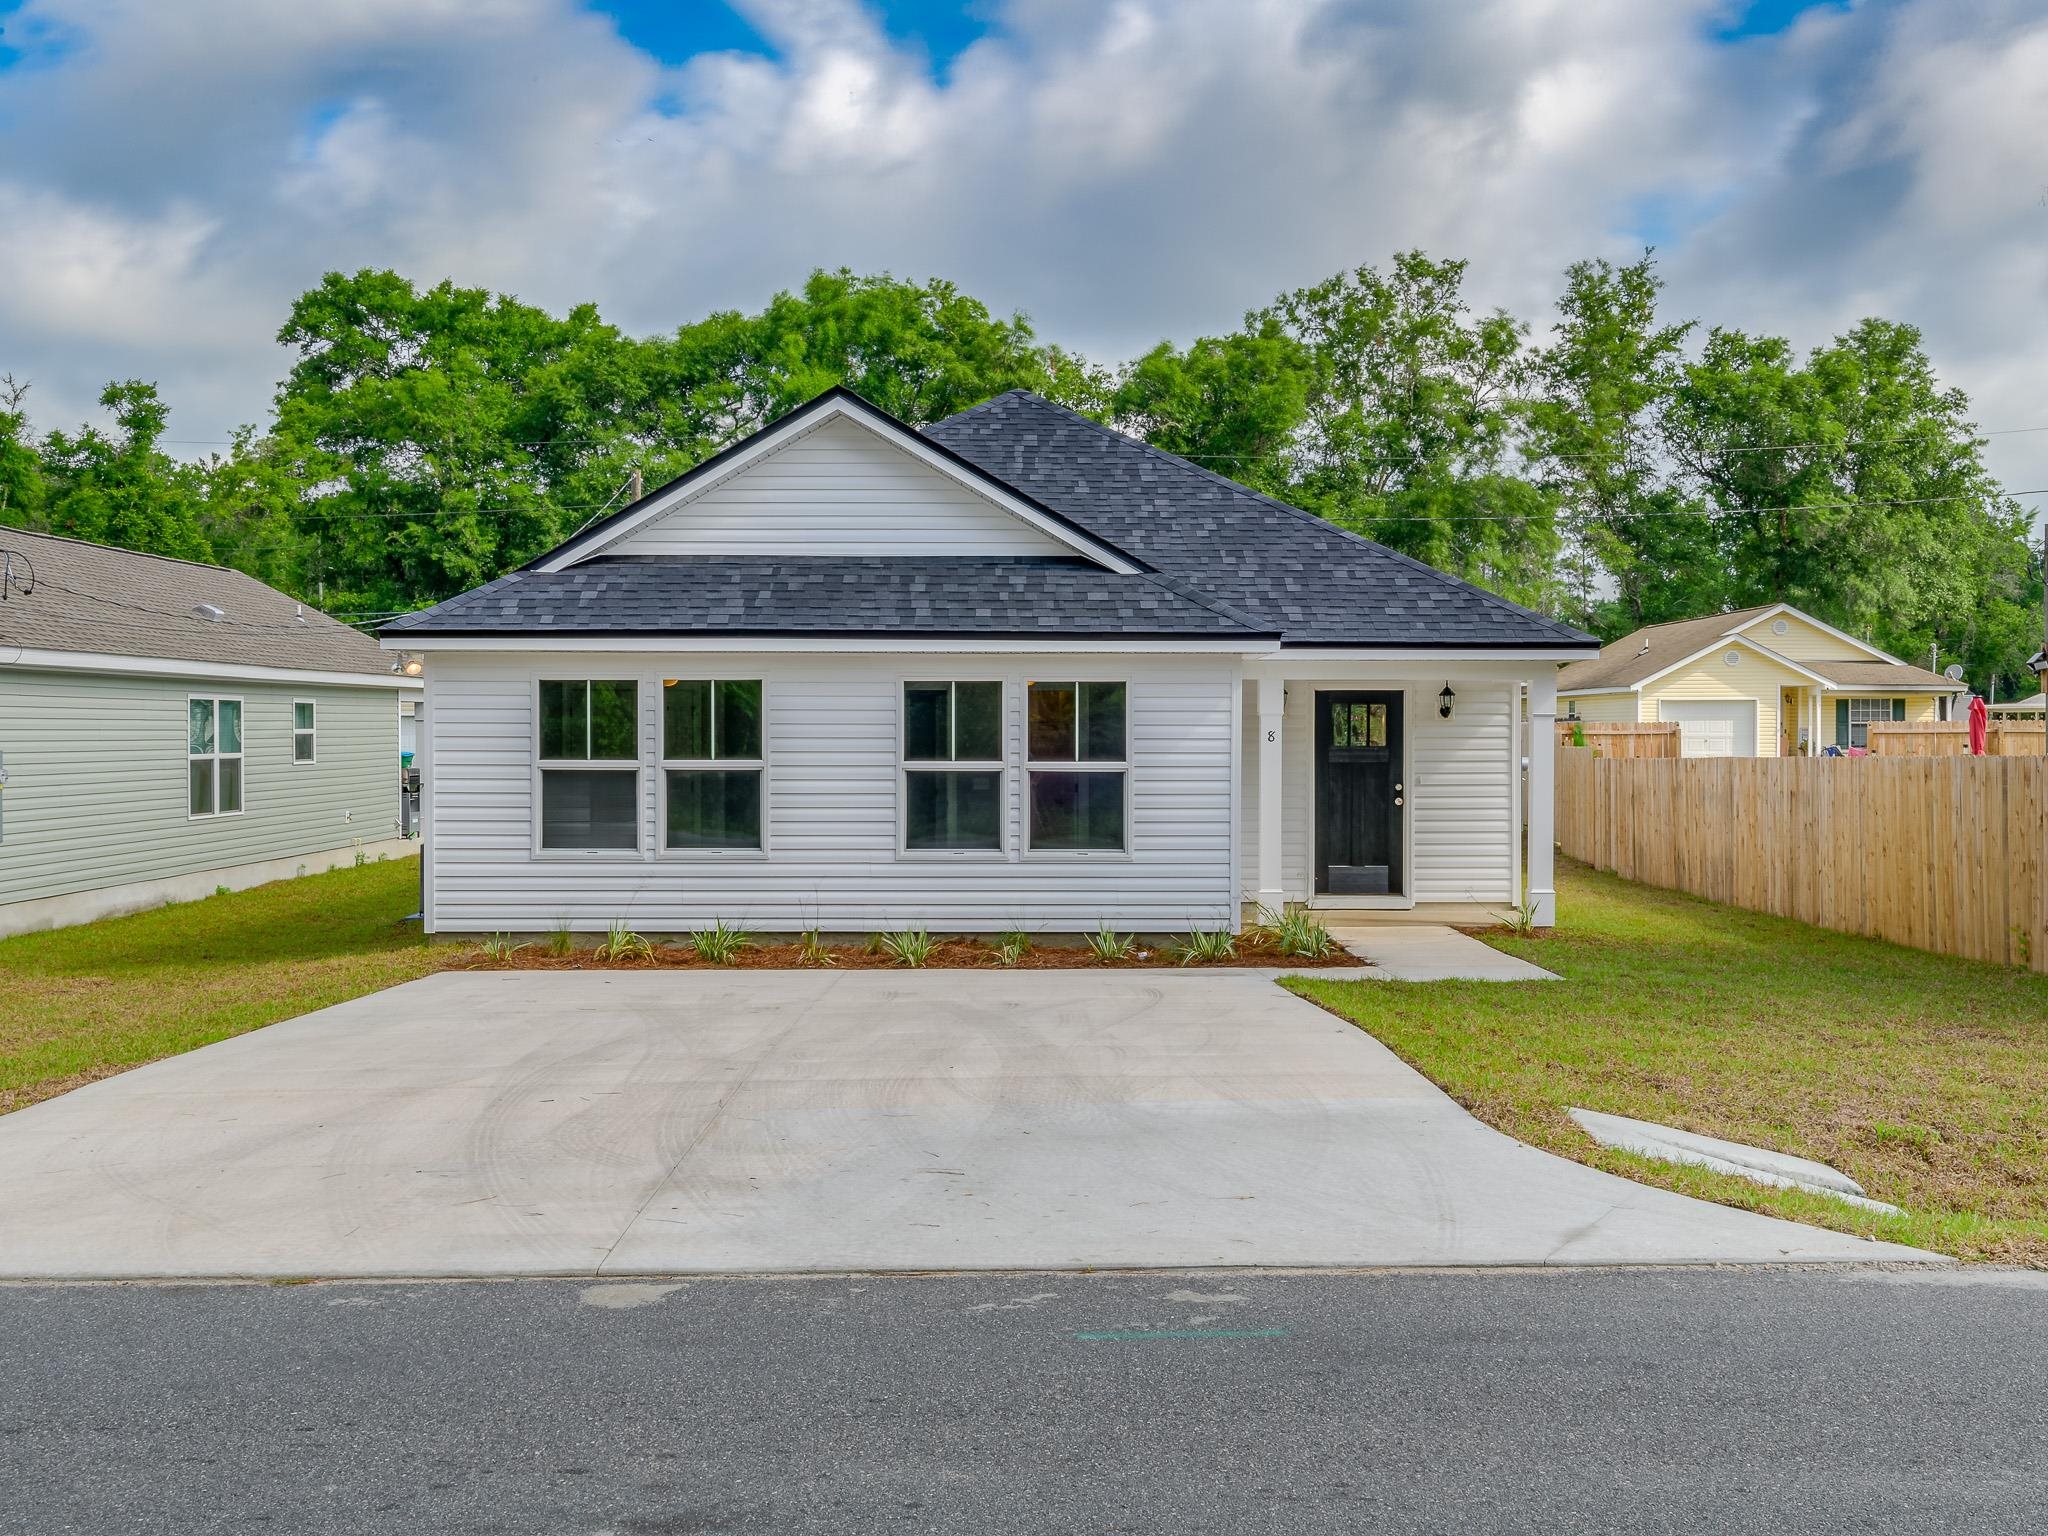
<point x="1431" y="952"/>
<point x="627" y="1123"/>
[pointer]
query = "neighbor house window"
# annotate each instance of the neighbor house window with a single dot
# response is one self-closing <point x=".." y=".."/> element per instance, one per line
<point x="590" y="764"/>
<point x="302" y="731"/>
<point x="952" y="767"/>
<point x="711" y="763"/>
<point x="213" y="752"/>
<point x="1078" y="765"/>
<point x="1863" y="711"/>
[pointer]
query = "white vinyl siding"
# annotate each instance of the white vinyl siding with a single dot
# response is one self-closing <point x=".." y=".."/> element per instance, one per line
<point x="1620" y="707"/>
<point x="1461" y="781"/>
<point x="99" y="785"/>
<point x="832" y="781"/>
<point x="838" y="490"/>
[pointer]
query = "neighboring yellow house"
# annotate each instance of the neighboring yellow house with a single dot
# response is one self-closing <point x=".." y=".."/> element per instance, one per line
<point x="1760" y="682"/>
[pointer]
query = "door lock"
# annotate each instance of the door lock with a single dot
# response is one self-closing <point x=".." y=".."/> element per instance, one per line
<point x="1397" y="799"/>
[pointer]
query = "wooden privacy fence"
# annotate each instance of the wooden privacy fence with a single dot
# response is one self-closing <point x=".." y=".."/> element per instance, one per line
<point x="1947" y="854"/>
<point x="1616" y="738"/>
<point x="1951" y="738"/>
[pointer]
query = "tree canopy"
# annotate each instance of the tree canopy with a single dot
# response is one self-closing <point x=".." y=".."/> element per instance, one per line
<point x="1624" y="467"/>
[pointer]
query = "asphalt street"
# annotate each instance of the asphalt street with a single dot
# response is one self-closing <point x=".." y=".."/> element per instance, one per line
<point x="1479" y="1401"/>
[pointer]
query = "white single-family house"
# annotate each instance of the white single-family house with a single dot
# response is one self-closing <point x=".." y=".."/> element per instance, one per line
<point x="1012" y="670"/>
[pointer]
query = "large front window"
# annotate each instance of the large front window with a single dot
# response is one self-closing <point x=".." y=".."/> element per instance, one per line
<point x="213" y="756"/>
<point x="590" y="764"/>
<point x="711" y="763"/>
<point x="1079" y="762"/>
<point x="952" y="767"/>
<point x="1863" y="711"/>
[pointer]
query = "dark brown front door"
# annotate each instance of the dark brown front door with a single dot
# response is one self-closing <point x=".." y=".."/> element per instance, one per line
<point x="1359" y="794"/>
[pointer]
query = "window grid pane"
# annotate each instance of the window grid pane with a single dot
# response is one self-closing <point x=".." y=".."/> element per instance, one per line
<point x="1077" y="811"/>
<point x="564" y="719"/>
<point x="230" y="717"/>
<point x="927" y="732"/>
<point x="952" y="811"/>
<point x="977" y="722"/>
<point x="302" y="746"/>
<point x="714" y="808"/>
<point x="590" y="808"/>
<point x="230" y="785"/>
<point x="200" y="734"/>
<point x="1102" y="722"/>
<point x="302" y="717"/>
<point x="1051" y="722"/>
<point x="614" y="720"/>
<point x="686" y="720"/>
<point x="738" y="729"/>
<point x="201" y="791"/>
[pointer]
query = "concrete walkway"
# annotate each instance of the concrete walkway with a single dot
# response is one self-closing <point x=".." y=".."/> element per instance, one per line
<point x="1430" y="952"/>
<point x="591" y="1123"/>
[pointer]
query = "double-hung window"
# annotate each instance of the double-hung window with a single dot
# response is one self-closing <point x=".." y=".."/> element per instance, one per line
<point x="711" y="764"/>
<point x="952" y="767"/>
<point x="590" y="764"/>
<point x="213" y="756"/>
<point x="1079" y="763"/>
<point x="1863" y="711"/>
<point x="303" y="732"/>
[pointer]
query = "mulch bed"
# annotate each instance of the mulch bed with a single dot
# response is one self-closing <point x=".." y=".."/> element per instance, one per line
<point x="946" y="955"/>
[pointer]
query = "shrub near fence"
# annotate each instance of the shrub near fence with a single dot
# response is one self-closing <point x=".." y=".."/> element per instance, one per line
<point x="1945" y="854"/>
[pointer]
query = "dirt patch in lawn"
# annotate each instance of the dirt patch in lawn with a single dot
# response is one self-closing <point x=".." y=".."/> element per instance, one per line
<point x="946" y="955"/>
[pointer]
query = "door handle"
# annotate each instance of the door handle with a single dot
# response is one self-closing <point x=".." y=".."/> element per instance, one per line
<point x="1397" y="789"/>
<point x="1397" y="799"/>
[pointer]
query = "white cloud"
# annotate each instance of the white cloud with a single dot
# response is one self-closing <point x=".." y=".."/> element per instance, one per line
<point x="1122" y="171"/>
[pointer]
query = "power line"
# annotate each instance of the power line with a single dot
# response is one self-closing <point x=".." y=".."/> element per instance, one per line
<point x="1701" y="512"/>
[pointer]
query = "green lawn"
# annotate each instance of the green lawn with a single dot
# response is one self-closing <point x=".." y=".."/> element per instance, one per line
<point x="1924" y="1078"/>
<point x="82" y="1003"/>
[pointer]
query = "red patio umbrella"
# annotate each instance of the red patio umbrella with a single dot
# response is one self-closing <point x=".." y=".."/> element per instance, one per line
<point x="1977" y="725"/>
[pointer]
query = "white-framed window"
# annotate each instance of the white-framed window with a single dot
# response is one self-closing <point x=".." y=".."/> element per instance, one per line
<point x="1862" y="712"/>
<point x="1076" y="740"/>
<point x="304" y="732"/>
<point x="213" y="756"/>
<point x="588" y="748"/>
<point x="952" y="751"/>
<point x="713" y="764"/>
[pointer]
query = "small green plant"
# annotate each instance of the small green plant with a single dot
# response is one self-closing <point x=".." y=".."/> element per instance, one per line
<point x="499" y="948"/>
<point x="362" y="856"/>
<point x="1206" y="946"/>
<point x="912" y="947"/>
<point x="220" y="890"/>
<point x="1578" y="734"/>
<point x="1110" y="946"/>
<point x="1295" y="934"/>
<point x="622" y="943"/>
<point x="872" y="944"/>
<point x="1011" y="946"/>
<point x="811" y="950"/>
<point x="562" y="940"/>
<point x="721" y="943"/>
<point x="1521" y="918"/>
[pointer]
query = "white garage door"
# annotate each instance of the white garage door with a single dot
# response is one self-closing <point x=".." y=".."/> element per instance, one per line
<point x="1717" y="728"/>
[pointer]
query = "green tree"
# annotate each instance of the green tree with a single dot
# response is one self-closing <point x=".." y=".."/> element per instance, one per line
<point x="118" y="487"/>
<point x="21" y="468"/>
<point x="1232" y="404"/>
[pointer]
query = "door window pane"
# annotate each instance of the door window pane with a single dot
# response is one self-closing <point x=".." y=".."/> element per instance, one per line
<point x="201" y="733"/>
<point x="739" y="720"/>
<point x="230" y="785"/>
<point x="714" y="808"/>
<point x="202" y="786"/>
<point x="1077" y="810"/>
<point x="686" y="720"/>
<point x="614" y="720"/>
<point x="564" y="719"/>
<point x="925" y="727"/>
<point x="1051" y="727"/>
<point x="953" y="810"/>
<point x="1102" y="722"/>
<point x="978" y="722"/>
<point x="589" y="808"/>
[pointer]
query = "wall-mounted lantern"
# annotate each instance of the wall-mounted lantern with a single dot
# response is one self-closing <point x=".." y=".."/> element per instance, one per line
<point x="1444" y="701"/>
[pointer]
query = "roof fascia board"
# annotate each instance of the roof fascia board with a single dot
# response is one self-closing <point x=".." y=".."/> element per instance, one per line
<point x="166" y="666"/>
<point x="826" y="644"/>
<point x="1587" y="693"/>
<point x="1893" y="689"/>
<point x="835" y="405"/>
<point x="1546" y="655"/>
<point x="1778" y="609"/>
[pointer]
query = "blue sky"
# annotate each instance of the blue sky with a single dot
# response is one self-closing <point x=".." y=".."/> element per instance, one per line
<point x="173" y="174"/>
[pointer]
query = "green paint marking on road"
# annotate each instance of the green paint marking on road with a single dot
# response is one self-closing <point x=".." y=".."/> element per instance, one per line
<point x="1132" y="1335"/>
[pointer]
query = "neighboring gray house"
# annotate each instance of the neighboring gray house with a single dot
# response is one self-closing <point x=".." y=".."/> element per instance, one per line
<point x="1012" y="670"/>
<point x="168" y="727"/>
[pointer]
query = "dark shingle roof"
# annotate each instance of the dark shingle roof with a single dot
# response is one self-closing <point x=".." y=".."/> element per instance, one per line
<point x="1281" y="566"/>
<point x="97" y="600"/>
<point x="868" y="595"/>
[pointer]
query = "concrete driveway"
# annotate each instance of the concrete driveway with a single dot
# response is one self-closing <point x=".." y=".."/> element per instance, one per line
<point x="584" y="1123"/>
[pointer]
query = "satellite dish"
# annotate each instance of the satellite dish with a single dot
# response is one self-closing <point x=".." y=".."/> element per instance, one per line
<point x="1953" y="671"/>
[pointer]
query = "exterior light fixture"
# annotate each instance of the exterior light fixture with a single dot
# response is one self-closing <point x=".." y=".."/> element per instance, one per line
<point x="1444" y="701"/>
<point x="409" y="665"/>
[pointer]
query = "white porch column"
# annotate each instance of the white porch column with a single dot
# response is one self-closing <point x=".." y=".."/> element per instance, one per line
<point x="1543" y="797"/>
<point x="1272" y="706"/>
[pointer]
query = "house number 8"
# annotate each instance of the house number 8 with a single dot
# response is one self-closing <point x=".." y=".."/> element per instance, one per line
<point x="1272" y="735"/>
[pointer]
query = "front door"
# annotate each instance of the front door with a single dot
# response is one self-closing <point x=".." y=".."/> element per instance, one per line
<point x="1359" y="794"/>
